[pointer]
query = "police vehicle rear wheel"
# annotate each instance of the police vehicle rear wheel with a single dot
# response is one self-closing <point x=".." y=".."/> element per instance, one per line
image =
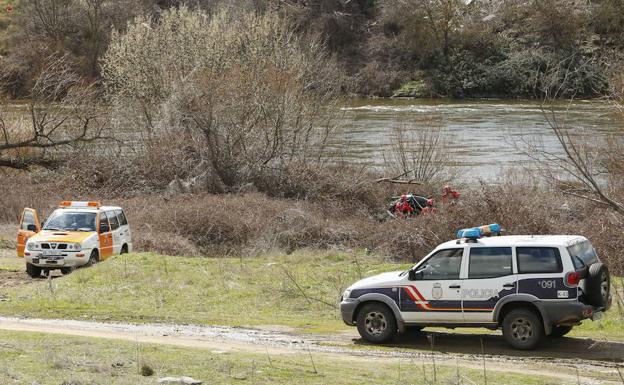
<point x="560" y="331"/>
<point x="523" y="329"/>
<point x="33" y="271"/>
<point x="376" y="323"/>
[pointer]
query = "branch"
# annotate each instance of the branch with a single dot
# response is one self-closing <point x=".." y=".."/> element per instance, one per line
<point x="395" y="181"/>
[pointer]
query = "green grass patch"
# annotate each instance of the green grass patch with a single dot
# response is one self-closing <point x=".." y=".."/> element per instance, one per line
<point x="28" y="358"/>
<point x="611" y="327"/>
<point x="300" y="290"/>
<point x="12" y="264"/>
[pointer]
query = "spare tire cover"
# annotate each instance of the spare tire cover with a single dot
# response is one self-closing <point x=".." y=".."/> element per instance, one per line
<point x="598" y="285"/>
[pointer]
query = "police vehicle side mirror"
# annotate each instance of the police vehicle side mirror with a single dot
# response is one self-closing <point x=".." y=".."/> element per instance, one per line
<point x="104" y="228"/>
<point x="32" y="228"/>
<point x="414" y="275"/>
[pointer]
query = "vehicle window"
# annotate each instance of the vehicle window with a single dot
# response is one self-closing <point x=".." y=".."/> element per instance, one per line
<point x="112" y="219"/>
<point x="121" y="218"/>
<point x="445" y="264"/>
<point x="71" y="221"/>
<point x="104" y="225"/>
<point x="577" y="262"/>
<point x="538" y="260"/>
<point x="585" y="251"/>
<point x="489" y="262"/>
<point x="28" y="219"/>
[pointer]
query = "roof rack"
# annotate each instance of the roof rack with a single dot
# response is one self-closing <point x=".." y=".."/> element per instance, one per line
<point x="471" y="234"/>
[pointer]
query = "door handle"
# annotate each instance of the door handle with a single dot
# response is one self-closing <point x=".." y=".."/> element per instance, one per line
<point x="508" y="285"/>
<point x="454" y="287"/>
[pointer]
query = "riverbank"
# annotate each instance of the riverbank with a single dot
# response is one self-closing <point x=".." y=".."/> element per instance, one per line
<point x="336" y="217"/>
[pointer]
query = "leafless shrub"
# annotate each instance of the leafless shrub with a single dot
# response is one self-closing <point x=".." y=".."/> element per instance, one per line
<point x="245" y="224"/>
<point x="581" y="166"/>
<point x="61" y="114"/>
<point x="420" y="154"/>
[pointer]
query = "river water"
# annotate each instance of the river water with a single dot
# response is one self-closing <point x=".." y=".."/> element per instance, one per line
<point x="481" y="136"/>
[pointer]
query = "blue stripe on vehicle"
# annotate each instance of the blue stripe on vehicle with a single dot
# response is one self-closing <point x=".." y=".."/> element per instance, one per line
<point x="546" y="288"/>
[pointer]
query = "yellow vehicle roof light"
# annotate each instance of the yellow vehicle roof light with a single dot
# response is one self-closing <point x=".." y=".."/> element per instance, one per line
<point x="80" y="204"/>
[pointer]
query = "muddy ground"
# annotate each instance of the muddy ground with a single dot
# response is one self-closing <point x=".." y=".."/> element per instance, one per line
<point x="12" y="270"/>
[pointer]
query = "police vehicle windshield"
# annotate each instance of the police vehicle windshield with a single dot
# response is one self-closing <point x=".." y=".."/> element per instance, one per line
<point x="71" y="221"/>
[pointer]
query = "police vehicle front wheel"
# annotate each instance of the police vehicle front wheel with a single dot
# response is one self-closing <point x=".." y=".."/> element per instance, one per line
<point x="376" y="323"/>
<point x="523" y="329"/>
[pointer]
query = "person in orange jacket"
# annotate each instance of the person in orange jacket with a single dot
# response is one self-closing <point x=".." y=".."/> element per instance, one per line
<point x="449" y="195"/>
<point x="403" y="208"/>
<point x="408" y="205"/>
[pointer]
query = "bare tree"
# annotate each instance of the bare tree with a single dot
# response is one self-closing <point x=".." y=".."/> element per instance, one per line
<point x="252" y="97"/>
<point x="418" y="155"/>
<point x="61" y="113"/>
<point x="580" y="164"/>
<point x="96" y="32"/>
<point x="429" y="24"/>
<point x="54" y="16"/>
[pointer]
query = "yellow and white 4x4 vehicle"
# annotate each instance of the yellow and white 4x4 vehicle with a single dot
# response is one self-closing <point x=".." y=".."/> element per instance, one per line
<point x="76" y="234"/>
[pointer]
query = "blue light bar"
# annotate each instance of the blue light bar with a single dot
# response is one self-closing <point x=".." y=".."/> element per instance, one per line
<point x="478" y="232"/>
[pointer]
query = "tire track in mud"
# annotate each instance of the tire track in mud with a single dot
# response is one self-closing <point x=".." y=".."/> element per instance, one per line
<point x="595" y="360"/>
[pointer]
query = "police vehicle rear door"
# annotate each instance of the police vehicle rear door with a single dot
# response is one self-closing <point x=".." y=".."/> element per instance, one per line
<point x="489" y="277"/>
<point x="540" y="273"/>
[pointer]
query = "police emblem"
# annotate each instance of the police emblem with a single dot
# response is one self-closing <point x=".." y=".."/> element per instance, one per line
<point x="436" y="292"/>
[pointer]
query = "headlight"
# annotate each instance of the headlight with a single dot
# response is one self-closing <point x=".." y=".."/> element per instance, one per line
<point x="34" y="246"/>
<point x="346" y="294"/>
<point x="74" y="246"/>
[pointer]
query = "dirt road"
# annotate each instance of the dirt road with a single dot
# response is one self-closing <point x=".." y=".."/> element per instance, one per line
<point x="596" y="361"/>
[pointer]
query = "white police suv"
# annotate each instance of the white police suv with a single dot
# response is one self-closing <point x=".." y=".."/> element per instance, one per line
<point x="530" y="286"/>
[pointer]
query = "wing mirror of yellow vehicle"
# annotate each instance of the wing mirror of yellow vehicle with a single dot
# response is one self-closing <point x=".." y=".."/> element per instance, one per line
<point x="32" y="228"/>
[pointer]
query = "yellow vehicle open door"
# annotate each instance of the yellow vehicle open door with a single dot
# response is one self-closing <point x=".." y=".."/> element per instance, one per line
<point x="29" y="225"/>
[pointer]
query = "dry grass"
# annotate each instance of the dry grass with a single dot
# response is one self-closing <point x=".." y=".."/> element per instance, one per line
<point x="330" y="217"/>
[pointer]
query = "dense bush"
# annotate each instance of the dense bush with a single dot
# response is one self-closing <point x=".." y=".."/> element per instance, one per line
<point x="254" y="223"/>
<point x="79" y="30"/>
<point x="528" y="73"/>
<point x="380" y="45"/>
<point x="249" y="98"/>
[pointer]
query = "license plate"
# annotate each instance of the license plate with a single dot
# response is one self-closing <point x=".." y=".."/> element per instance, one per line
<point x="51" y="253"/>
